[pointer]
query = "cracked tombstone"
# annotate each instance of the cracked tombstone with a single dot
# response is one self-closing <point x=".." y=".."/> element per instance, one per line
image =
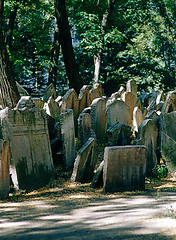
<point x="148" y="136"/>
<point x="99" y="118"/>
<point x="84" y="99"/>
<point x="119" y="134"/>
<point x="68" y="138"/>
<point x="4" y="169"/>
<point x="124" y="168"/>
<point x="118" y="111"/>
<point x="85" y="162"/>
<point x="31" y="163"/>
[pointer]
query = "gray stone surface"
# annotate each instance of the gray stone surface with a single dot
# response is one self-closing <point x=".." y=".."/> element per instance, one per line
<point x="119" y="134"/>
<point x="118" y="111"/>
<point x="4" y="169"/>
<point x="95" y="92"/>
<point x="137" y="118"/>
<point x="148" y="136"/>
<point x="99" y="118"/>
<point x="131" y="86"/>
<point x="168" y="123"/>
<point x="39" y="103"/>
<point x="84" y="98"/>
<point x="25" y="102"/>
<point x="119" y="93"/>
<point x="97" y="180"/>
<point x="85" y="162"/>
<point x="170" y="103"/>
<point x="53" y="109"/>
<point x="68" y="138"/>
<point x="31" y="163"/>
<point x="50" y="91"/>
<point x="130" y="99"/>
<point x="124" y="168"/>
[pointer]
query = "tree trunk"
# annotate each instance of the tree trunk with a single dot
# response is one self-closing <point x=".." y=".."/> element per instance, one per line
<point x="9" y="95"/>
<point x="104" y="23"/>
<point x="66" y="45"/>
<point x="55" y="55"/>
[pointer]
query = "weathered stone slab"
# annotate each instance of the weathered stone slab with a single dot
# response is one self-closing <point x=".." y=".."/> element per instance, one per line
<point x="53" y="109"/>
<point x="30" y="152"/>
<point x="168" y="123"/>
<point x="84" y="128"/>
<point x="170" y="103"/>
<point x="137" y="118"/>
<point x="119" y="134"/>
<point x="131" y="86"/>
<point x="95" y="92"/>
<point x="124" y="168"/>
<point x="70" y="101"/>
<point x="130" y="99"/>
<point x="99" y="117"/>
<point x="4" y="169"/>
<point x="50" y="91"/>
<point x="148" y="136"/>
<point x="154" y="116"/>
<point x="85" y="162"/>
<point x="97" y="180"/>
<point x="84" y="99"/>
<point x="39" y="103"/>
<point x="21" y="90"/>
<point x="25" y="102"/>
<point x="118" y="111"/>
<point x="68" y="138"/>
<point x="119" y="93"/>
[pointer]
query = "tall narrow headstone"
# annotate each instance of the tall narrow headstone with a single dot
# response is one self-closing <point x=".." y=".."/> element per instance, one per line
<point x="131" y="86"/>
<point x="170" y="103"/>
<point x="137" y="118"/>
<point x="84" y="99"/>
<point x="68" y="137"/>
<point x="130" y="99"/>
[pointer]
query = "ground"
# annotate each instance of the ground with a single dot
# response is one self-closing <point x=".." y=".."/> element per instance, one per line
<point x="66" y="210"/>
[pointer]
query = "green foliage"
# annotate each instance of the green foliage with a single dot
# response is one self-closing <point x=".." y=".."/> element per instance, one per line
<point x="160" y="171"/>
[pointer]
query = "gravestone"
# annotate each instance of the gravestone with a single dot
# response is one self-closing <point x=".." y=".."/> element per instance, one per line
<point x="85" y="162"/>
<point x="31" y="163"/>
<point x="170" y="103"/>
<point x="148" y="136"/>
<point x="68" y="138"/>
<point x="70" y="101"/>
<point x="154" y="116"/>
<point x="39" y="103"/>
<point x="21" y="90"/>
<point x="137" y="118"/>
<point x="25" y="102"/>
<point x="95" y="92"/>
<point x="4" y="169"/>
<point x="124" y="168"/>
<point x="168" y="123"/>
<point x="131" y="86"/>
<point x="118" y="111"/>
<point x="119" y="134"/>
<point x="97" y="180"/>
<point x="99" y="118"/>
<point x="119" y="93"/>
<point x="84" y="99"/>
<point x="130" y="99"/>
<point x="53" y="109"/>
<point x="84" y="128"/>
<point x="50" y="91"/>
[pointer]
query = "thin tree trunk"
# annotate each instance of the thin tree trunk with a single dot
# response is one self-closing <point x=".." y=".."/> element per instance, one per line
<point x="8" y="90"/>
<point x="55" y="55"/>
<point x="104" y="23"/>
<point x="66" y="45"/>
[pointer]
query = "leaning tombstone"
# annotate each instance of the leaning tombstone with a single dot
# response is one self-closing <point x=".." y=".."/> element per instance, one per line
<point x="124" y="168"/>
<point x="170" y="103"/>
<point x="68" y="138"/>
<point x="50" y="91"/>
<point x="53" y="109"/>
<point x="31" y="163"/>
<point x="148" y="136"/>
<point x="97" y="180"/>
<point x="119" y="134"/>
<point x="95" y="92"/>
<point x="99" y="118"/>
<point x="154" y="116"/>
<point x="137" y="118"/>
<point x="84" y="99"/>
<point x="4" y="169"/>
<point x="21" y="90"/>
<point x="39" y="103"/>
<point x="130" y="99"/>
<point x="131" y="86"/>
<point x="118" y="111"/>
<point x="85" y="162"/>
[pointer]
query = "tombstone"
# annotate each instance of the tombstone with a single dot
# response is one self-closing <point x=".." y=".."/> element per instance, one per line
<point x="85" y="162"/>
<point x="119" y="93"/>
<point x="170" y="103"/>
<point x="97" y="180"/>
<point x="39" y="103"/>
<point x="119" y="134"/>
<point x="4" y="169"/>
<point x="70" y="101"/>
<point x="99" y="118"/>
<point x="25" y="102"/>
<point x="131" y="86"/>
<point x="118" y="111"/>
<point x="53" y="109"/>
<point x="84" y="129"/>
<point x="21" y="90"/>
<point x="137" y="118"/>
<point x="148" y="136"/>
<point x="31" y="163"/>
<point x="68" y="138"/>
<point x="95" y="92"/>
<point x="167" y="124"/>
<point x="124" y="168"/>
<point x="98" y="88"/>
<point x="84" y="99"/>
<point x="160" y="97"/>
<point x="154" y="116"/>
<point x="130" y="99"/>
<point x="50" y="91"/>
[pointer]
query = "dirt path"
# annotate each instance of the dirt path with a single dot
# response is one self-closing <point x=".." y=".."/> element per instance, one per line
<point x="75" y="211"/>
